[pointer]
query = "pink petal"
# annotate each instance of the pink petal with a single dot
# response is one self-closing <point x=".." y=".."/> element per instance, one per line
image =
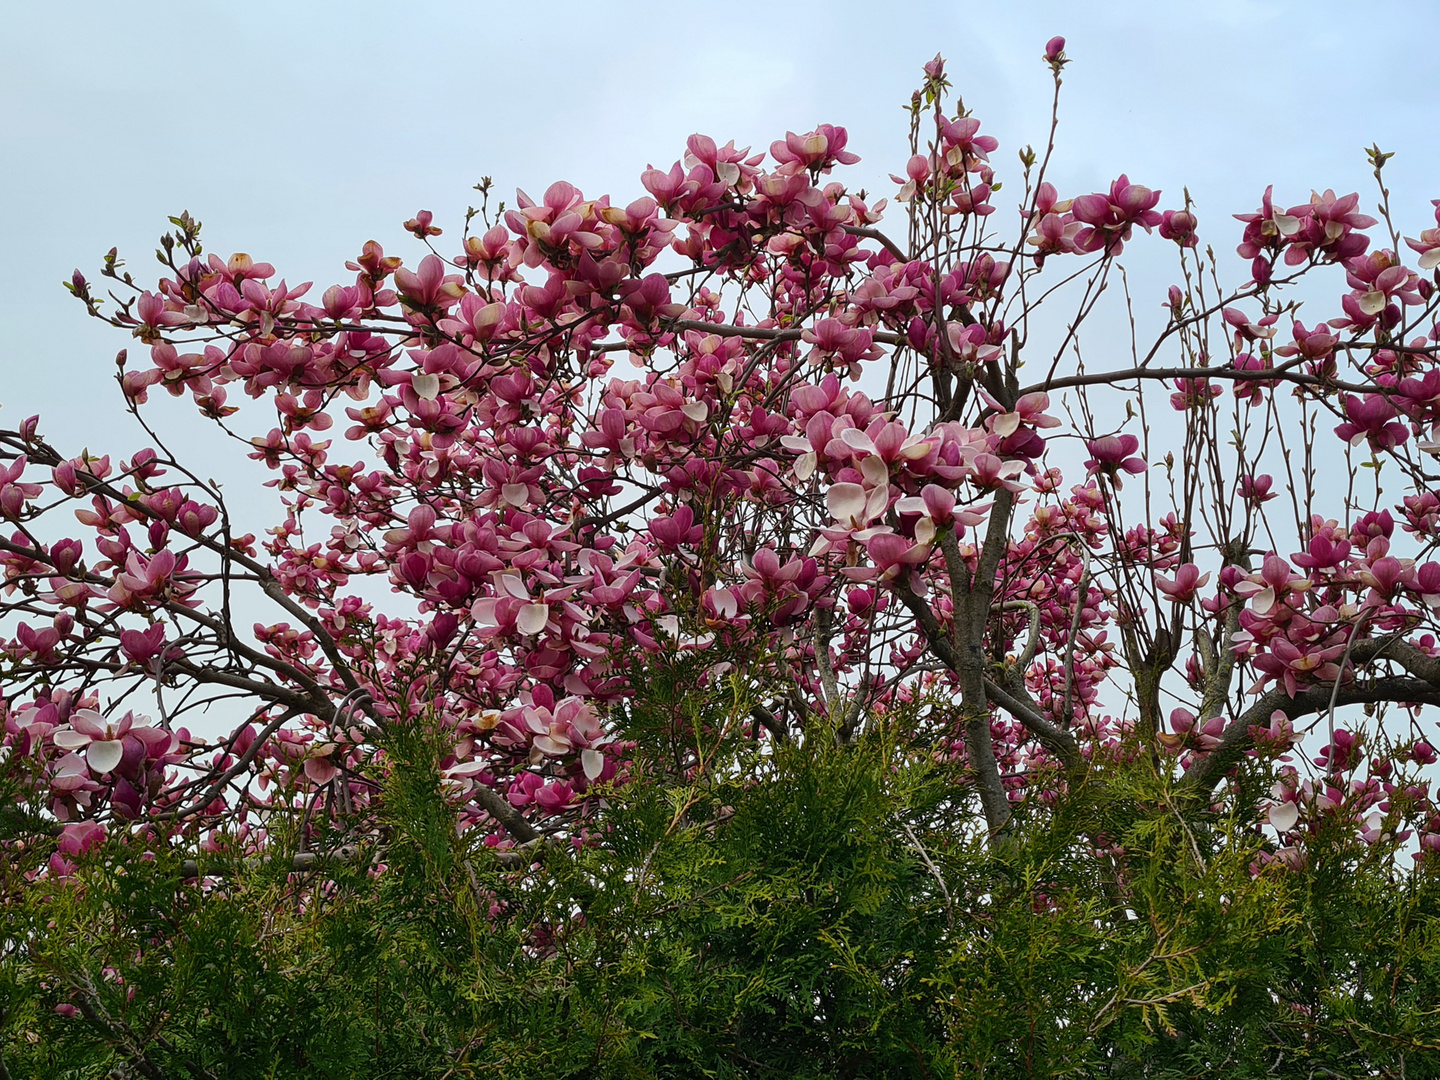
<point x="1283" y="816"/>
<point x="593" y="763"/>
<point x="102" y="755"/>
<point x="70" y="740"/>
<point x="532" y="618"/>
<point x="938" y="501"/>
<point x="857" y="440"/>
<point x="846" y="502"/>
<point x="321" y="770"/>
<point x="89" y="722"/>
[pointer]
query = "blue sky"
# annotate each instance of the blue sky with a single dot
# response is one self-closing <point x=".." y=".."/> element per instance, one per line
<point x="296" y="131"/>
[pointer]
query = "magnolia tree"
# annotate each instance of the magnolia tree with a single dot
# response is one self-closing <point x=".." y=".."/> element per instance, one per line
<point x="839" y="460"/>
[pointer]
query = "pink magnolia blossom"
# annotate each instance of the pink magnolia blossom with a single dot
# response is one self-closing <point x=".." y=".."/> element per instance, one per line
<point x="1428" y="245"/>
<point x="1273" y="583"/>
<point x="1371" y="418"/>
<point x="1109" y="218"/>
<point x="1182" y="588"/>
<point x="99" y="739"/>
<point x="1112" y="455"/>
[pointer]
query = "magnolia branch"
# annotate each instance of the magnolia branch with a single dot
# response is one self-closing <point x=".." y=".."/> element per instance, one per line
<point x="1238" y="737"/>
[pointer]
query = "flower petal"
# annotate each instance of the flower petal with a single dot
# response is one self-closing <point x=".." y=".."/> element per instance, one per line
<point x="845" y="501"/>
<point x="102" y="755"/>
<point x="89" y="722"/>
<point x="70" y="740"/>
<point x="532" y="618"/>
<point x="1283" y="816"/>
<point x="593" y="763"/>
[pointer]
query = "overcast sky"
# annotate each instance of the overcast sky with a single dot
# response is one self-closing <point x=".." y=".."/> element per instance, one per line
<point x="297" y="130"/>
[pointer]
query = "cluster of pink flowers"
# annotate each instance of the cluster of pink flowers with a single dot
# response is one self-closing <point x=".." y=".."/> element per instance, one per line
<point x="592" y="436"/>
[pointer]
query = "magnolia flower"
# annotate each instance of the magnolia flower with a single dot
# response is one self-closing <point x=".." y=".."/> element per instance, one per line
<point x="889" y="441"/>
<point x="1030" y="410"/>
<point x="1371" y="417"/>
<point x="937" y="504"/>
<point x="1428" y="245"/>
<point x="1283" y="816"/>
<point x="320" y="766"/>
<point x="1111" y="455"/>
<point x="572" y="725"/>
<point x="1187" y="582"/>
<point x="462" y="778"/>
<point x="1273" y="582"/>
<point x="853" y="506"/>
<point x="670" y="626"/>
<point x="100" y="740"/>
<point x="80" y="836"/>
<point x="988" y="472"/>
<point x="69" y="774"/>
<point x="1290" y="663"/>
<point x="892" y="554"/>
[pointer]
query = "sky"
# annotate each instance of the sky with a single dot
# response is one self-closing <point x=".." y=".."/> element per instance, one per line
<point x="297" y="130"/>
